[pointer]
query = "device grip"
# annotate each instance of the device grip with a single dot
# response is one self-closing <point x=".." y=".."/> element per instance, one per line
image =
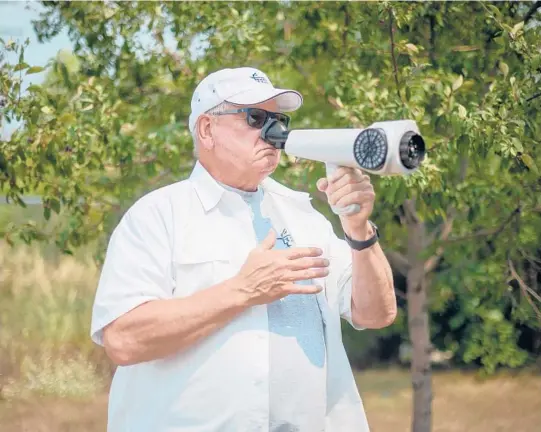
<point x="347" y="210"/>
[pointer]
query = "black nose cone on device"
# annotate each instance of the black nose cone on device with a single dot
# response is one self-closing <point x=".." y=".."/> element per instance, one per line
<point x="412" y="150"/>
<point x="275" y="133"/>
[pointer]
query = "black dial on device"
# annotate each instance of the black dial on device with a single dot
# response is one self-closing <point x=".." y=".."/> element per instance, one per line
<point x="370" y="148"/>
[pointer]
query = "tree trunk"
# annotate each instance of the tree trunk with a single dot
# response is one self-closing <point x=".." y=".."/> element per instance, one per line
<point x="418" y="326"/>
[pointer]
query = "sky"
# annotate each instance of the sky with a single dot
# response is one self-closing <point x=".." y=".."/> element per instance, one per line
<point x="16" y="23"/>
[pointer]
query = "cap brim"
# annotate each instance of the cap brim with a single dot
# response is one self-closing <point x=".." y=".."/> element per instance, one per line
<point x="287" y="100"/>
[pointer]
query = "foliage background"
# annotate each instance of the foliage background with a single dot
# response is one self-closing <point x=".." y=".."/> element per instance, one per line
<point x="109" y="124"/>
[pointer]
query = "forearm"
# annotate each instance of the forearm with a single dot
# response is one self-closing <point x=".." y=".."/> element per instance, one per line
<point x="161" y="328"/>
<point x="373" y="297"/>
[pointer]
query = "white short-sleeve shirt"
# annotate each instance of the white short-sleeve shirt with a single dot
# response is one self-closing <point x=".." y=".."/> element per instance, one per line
<point x="189" y="236"/>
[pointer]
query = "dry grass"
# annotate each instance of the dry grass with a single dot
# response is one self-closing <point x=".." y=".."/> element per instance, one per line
<point x="45" y="311"/>
<point x="462" y="402"/>
<point x="53" y="379"/>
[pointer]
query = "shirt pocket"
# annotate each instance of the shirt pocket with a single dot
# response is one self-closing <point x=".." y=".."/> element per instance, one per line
<point x="200" y="266"/>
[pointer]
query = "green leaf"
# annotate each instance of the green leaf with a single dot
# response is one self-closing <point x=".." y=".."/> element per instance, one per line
<point x="67" y="118"/>
<point x="494" y="10"/>
<point x="54" y="204"/>
<point x="504" y="68"/>
<point x="20" y="66"/>
<point x="411" y="47"/>
<point x="34" y="70"/>
<point x="462" y="112"/>
<point x="529" y="162"/>
<point x="458" y="83"/>
<point x="110" y="12"/>
<point x="517" y="27"/>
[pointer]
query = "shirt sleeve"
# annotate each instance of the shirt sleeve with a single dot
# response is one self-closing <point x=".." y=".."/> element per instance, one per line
<point x="339" y="282"/>
<point x="137" y="266"/>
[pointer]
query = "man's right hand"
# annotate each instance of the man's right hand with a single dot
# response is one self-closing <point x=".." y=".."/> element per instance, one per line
<point x="268" y="275"/>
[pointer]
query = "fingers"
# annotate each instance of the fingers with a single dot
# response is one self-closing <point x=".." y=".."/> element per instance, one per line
<point x="322" y="184"/>
<point x="346" y="173"/>
<point x="303" y="289"/>
<point x="307" y="263"/>
<point x="307" y="274"/>
<point x="355" y="198"/>
<point x="354" y="179"/>
<point x="348" y="187"/>
<point x="301" y="252"/>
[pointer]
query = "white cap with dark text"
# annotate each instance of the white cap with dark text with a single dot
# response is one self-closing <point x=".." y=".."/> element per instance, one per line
<point x="239" y="86"/>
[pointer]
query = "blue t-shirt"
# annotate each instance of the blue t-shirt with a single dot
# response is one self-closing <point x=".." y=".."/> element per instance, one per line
<point x="297" y="347"/>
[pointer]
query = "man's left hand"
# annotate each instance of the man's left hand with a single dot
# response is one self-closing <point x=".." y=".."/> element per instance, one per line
<point x="350" y="186"/>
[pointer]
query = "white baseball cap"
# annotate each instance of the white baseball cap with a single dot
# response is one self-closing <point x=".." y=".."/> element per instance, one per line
<point x="240" y="86"/>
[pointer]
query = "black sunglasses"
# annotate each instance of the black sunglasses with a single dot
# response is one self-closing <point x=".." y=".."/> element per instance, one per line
<point x="257" y="117"/>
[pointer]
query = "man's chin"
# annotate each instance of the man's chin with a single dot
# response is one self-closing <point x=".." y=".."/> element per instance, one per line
<point x="268" y="161"/>
<point x="267" y="151"/>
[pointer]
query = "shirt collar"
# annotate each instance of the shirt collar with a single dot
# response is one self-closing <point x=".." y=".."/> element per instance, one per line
<point x="210" y="191"/>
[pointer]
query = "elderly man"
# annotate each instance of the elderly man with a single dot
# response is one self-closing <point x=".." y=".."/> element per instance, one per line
<point x="221" y="295"/>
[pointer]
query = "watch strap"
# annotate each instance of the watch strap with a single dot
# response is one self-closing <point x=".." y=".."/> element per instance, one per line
<point x="363" y="244"/>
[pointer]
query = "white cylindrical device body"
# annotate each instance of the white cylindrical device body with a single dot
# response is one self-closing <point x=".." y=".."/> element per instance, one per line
<point x="336" y="146"/>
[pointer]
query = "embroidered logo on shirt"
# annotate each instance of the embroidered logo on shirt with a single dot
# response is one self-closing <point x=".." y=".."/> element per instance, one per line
<point x="286" y="238"/>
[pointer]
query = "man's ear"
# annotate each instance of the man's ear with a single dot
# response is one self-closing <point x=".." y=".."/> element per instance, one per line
<point x="204" y="132"/>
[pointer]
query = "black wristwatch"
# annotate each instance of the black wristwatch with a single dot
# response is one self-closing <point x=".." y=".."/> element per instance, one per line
<point x="360" y="245"/>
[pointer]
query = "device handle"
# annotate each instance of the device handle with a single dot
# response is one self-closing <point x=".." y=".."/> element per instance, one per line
<point x="347" y="210"/>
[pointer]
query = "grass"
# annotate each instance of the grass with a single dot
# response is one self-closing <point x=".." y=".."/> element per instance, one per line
<point x="52" y="377"/>
<point x="462" y="401"/>
<point x="45" y="308"/>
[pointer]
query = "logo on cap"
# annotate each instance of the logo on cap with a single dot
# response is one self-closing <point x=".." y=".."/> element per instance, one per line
<point x="259" y="79"/>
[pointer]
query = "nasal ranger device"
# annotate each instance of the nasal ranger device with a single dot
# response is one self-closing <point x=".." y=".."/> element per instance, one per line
<point x="383" y="148"/>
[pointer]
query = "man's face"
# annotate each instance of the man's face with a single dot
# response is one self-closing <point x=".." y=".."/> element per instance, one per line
<point x="238" y="145"/>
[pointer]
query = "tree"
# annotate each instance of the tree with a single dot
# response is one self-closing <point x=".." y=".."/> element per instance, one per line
<point x="461" y="231"/>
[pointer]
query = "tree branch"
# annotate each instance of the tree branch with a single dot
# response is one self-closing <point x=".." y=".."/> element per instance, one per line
<point x="487" y="232"/>
<point x="159" y="177"/>
<point x="398" y="262"/>
<point x="535" y="96"/>
<point x="525" y="289"/>
<point x="347" y="20"/>
<point x="395" y="68"/>
<point x="105" y="202"/>
<point x="410" y="214"/>
<point x="431" y="263"/>
<point x="531" y="12"/>
<point x="321" y="92"/>
<point x="532" y="275"/>
<point x="533" y="261"/>
<point x="432" y="51"/>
